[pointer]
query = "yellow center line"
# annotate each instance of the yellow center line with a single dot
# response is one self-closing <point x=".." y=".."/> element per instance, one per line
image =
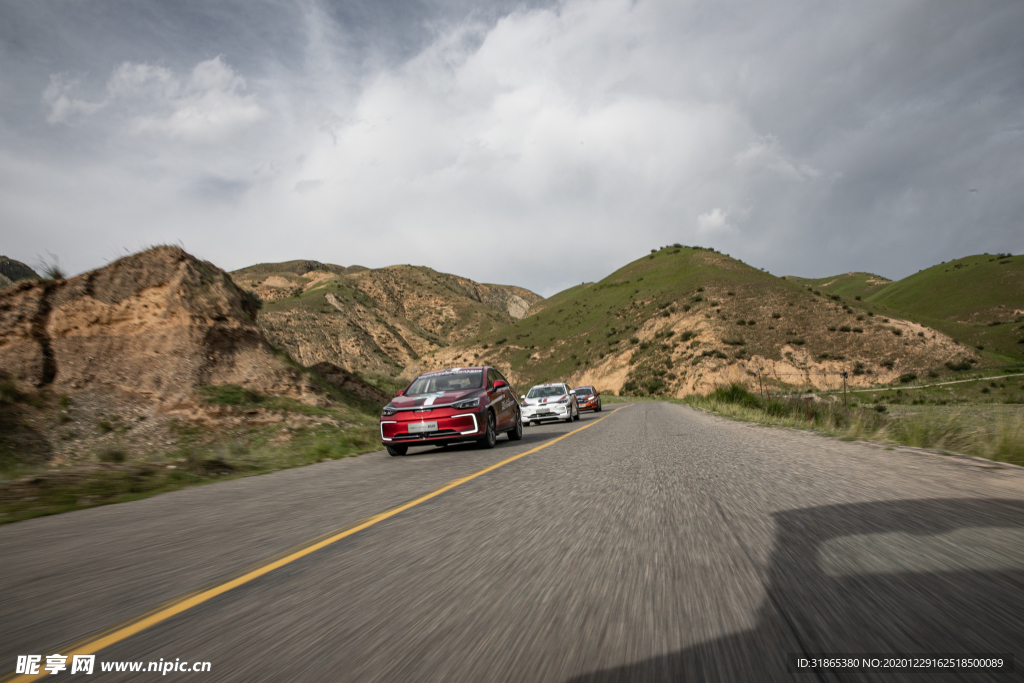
<point x="126" y="629"/>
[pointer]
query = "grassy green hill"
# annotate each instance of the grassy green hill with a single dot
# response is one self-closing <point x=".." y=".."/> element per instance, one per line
<point x="978" y="300"/>
<point x="850" y="285"/>
<point x="559" y="297"/>
<point x="684" y="319"/>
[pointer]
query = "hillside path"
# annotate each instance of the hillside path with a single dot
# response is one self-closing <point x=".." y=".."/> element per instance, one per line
<point x="659" y="544"/>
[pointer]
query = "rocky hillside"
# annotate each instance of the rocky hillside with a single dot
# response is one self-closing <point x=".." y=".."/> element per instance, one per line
<point x="375" y="322"/>
<point x="684" y="320"/>
<point x="130" y="348"/>
<point x="11" y="271"/>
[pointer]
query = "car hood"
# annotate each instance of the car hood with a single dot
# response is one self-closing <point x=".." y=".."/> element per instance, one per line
<point x="545" y="400"/>
<point x="438" y="398"/>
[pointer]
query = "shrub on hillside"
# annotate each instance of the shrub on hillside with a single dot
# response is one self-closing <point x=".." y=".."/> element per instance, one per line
<point x="229" y="395"/>
<point x="958" y="366"/>
<point x="251" y="303"/>
<point x="735" y="393"/>
<point x="112" y="455"/>
<point x="907" y="377"/>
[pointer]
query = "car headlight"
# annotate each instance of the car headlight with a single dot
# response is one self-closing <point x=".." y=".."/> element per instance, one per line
<point x="468" y="403"/>
<point x="564" y="400"/>
<point x="388" y="411"/>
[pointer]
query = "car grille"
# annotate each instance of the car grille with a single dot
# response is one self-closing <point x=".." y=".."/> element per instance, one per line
<point x="428" y="435"/>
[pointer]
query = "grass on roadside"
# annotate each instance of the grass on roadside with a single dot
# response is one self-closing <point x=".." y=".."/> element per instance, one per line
<point x="993" y="432"/>
<point x="288" y="434"/>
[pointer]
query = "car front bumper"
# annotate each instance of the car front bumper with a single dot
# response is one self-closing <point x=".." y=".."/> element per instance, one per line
<point x="403" y="428"/>
<point x="546" y="412"/>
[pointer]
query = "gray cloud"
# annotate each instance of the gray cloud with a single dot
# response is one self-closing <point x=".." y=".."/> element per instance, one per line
<point x="540" y="145"/>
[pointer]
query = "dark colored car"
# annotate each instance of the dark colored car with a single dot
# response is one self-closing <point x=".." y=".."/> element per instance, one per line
<point x="451" y="406"/>
<point x="588" y="398"/>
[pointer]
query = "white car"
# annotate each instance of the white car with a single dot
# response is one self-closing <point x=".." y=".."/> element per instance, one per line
<point x="550" y="402"/>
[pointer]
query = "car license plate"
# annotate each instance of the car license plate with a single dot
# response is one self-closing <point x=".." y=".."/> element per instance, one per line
<point x="419" y="427"/>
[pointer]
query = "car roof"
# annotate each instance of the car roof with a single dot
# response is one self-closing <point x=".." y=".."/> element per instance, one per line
<point x="443" y="370"/>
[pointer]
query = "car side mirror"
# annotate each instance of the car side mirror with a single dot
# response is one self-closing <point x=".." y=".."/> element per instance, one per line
<point x="400" y="392"/>
<point x="522" y="398"/>
<point x="499" y="383"/>
<point x="572" y="391"/>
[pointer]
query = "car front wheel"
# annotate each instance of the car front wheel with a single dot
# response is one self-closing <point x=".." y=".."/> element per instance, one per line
<point x="577" y="415"/>
<point x="516" y="432"/>
<point x="398" y="450"/>
<point x="598" y="405"/>
<point x="490" y="437"/>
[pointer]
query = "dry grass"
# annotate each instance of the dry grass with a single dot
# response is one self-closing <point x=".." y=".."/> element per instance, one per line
<point x="992" y="432"/>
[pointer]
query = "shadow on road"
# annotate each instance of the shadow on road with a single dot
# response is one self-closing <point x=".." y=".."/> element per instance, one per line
<point x="920" y="576"/>
<point x="532" y="436"/>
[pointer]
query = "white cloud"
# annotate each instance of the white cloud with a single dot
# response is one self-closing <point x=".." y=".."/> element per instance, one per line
<point x="766" y="154"/>
<point x="715" y="220"/>
<point x="64" y="108"/>
<point x="207" y="106"/>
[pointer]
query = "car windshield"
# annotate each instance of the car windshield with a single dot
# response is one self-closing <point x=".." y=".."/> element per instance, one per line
<point x="547" y="392"/>
<point x="451" y="380"/>
<point x="584" y="391"/>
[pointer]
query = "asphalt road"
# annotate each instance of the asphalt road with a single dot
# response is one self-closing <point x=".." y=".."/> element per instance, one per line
<point x="658" y="544"/>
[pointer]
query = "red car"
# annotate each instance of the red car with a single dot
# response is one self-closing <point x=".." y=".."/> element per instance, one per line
<point x="450" y="406"/>
<point x="588" y="398"/>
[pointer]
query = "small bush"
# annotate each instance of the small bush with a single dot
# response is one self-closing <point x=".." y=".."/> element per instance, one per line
<point x="845" y="328"/>
<point x="735" y="393"/>
<point x="112" y="455"/>
<point x="796" y="342"/>
<point x="907" y="377"/>
<point x="958" y="366"/>
<point x="776" y="315"/>
<point x="887" y="364"/>
<point x="634" y="340"/>
<point x="251" y="303"/>
<point x="229" y="395"/>
<point x="880" y="408"/>
<point x="9" y="391"/>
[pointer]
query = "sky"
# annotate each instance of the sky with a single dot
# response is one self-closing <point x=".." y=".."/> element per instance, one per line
<point x="538" y="144"/>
